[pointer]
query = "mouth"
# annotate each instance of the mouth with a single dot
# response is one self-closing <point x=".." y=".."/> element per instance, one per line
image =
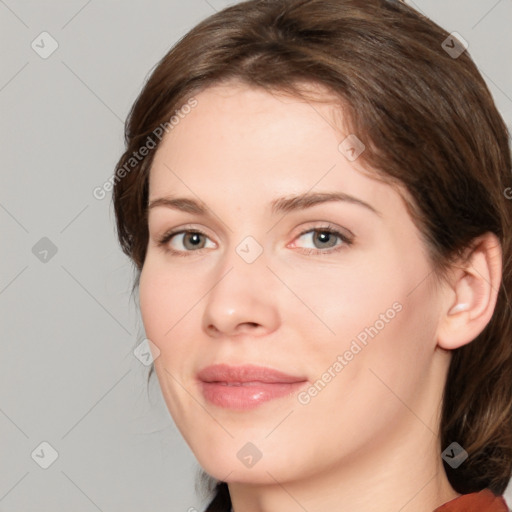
<point x="246" y="387"/>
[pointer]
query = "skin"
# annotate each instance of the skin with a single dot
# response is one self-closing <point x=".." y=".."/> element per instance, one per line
<point x="375" y="424"/>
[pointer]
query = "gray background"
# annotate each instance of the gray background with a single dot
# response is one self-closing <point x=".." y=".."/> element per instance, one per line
<point x="68" y="375"/>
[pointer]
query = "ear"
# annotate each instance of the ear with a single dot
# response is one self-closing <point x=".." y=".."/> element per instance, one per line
<point x="470" y="297"/>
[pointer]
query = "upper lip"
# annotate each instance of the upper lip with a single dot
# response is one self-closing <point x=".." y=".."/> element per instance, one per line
<point x="245" y="373"/>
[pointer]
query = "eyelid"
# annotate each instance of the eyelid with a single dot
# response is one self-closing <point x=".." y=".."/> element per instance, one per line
<point x="328" y="226"/>
<point x="184" y="228"/>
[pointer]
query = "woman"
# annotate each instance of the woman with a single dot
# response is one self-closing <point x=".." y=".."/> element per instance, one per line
<point x="314" y="196"/>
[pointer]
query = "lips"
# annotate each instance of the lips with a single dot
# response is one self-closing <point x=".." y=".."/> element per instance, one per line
<point x="244" y="374"/>
<point x="247" y="386"/>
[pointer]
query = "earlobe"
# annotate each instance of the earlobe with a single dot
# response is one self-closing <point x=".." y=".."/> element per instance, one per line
<point x="475" y="284"/>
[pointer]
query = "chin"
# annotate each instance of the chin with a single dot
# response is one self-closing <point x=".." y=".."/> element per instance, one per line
<point x="234" y="465"/>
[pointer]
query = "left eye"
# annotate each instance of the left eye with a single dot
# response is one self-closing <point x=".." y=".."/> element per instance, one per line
<point x="324" y="238"/>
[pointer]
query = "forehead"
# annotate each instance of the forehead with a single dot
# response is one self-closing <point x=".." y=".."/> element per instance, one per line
<point x="242" y="140"/>
<point x="234" y="124"/>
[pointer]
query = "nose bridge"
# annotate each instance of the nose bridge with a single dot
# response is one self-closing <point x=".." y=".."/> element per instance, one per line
<point x="242" y="292"/>
<point x="243" y="264"/>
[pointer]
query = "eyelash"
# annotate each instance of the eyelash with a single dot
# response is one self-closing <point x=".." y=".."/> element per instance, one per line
<point x="347" y="241"/>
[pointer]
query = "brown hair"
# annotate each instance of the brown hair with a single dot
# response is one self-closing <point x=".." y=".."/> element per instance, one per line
<point x="428" y="122"/>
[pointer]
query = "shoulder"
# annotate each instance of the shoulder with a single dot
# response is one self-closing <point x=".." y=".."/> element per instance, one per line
<point x="483" y="501"/>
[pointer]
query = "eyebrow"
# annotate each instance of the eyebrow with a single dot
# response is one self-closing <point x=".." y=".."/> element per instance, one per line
<point x="279" y="205"/>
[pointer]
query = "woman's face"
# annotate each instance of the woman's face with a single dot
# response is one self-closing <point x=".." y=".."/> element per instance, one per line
<point x="352" y="316"/>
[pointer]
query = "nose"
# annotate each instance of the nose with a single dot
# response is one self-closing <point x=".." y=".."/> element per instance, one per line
<point x="243" y="299"/>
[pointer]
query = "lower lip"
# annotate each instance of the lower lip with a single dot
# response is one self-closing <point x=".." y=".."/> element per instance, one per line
<point x="248" y="395"/>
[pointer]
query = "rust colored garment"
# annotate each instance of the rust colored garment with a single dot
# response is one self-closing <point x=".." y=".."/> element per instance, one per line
<point x="483" y="501"/>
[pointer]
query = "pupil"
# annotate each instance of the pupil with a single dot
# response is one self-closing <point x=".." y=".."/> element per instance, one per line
<point x="324" y="236"/>
<point x="194" y="239"/>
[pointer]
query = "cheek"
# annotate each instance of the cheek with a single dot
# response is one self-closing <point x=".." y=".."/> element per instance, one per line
<point x="155" y="302"/>
<point x="342" y="303"/>
<point x="166" y="306"/>
<point x="381" y="310"/>
<point x="165" y="302"/>
<point x="394" y="321"/>
<point x="165" y="294"/>
<point x="382" y="358"/>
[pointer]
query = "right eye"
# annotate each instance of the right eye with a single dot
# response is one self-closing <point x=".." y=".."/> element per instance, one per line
<point x="191" y="239"/>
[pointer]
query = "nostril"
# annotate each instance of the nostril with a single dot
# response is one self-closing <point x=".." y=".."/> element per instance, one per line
<point x="212" y="328"/>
